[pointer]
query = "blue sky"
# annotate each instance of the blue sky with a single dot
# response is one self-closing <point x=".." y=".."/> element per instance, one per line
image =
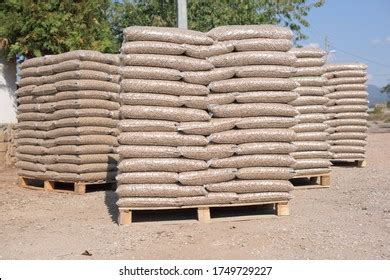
<point x="358" y="31"/>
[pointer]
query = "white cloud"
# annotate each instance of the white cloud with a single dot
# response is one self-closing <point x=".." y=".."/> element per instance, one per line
<point x="378" y="41"/>
<point x="313" y="45"/>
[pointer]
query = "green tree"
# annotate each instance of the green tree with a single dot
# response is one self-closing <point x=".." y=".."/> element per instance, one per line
<point x="35" y="28"/>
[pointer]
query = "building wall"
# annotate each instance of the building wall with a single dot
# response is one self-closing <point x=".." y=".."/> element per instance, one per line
<point x="7" y="91"/>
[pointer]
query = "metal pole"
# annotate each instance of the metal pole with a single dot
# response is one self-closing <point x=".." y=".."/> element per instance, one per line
<point x="182" y="14"/>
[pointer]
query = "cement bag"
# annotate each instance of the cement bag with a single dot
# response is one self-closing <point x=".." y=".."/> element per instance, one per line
<point x="265" y="173"/>
<point x="265" y="97"/>
<point x="161" y="139"/>
<point x="351" y="87"/>
<point x="88" y="114"/>
<point x="87" y="121"/>
<point x="206" y="77"/>
<point x="147" y="178"/>
<point x="164" y="113"/>
<point x="252" y="135"/>
<point x="309" y="62"/>
<point x="148" y="202"/>
<point x="163" y="87"/>
<point x="263" y="197"/>
<point x="252" y="58"/>
<point x="309" y="100"/>
<point x="348" y="73"/>
<point x="262" y="44"/>
<point x="84" y="55"/>
<point x="159" y="190"/>
<point x="161" y="165"/>
<point x="150" y="73"/>
<point x="85" y="159"/>
<point x="81" y="74"/>
<point x="311" y="154"/>
<point x="252" y="161"/>
<point x="349" y="142"/>
<point x="253" y="84"/>
<point x="85" y="94"/>
<point x="166" y="34"/>
<point x="210" y="199"/>
<point x="308" y="52"/>
<point x="264" y="71"/>
<point x="25" y="165"/>
<point x="303" y="146"/>
<point x="309" y="71"/>
<point x="349" y="156"/>
<point x="264" y="148"/>
<point x="351" y="128"/>
<point x="87" y="140"/>
<point x="208" y="152"/>
<point x="251" y="186"/>
<point x="150" y="99"/>
<point x="152" y="47"/>
<point x="240" y="32"/>
<point x="266" y="122"/>
<point x="348" y="135"/>
<point x="85" y="85"/>
<point x="347" y="122"/>
<point x="345" y="66"/>
<point x="352" y="101"/>
<point x="33" y="125"/>
<point x="147" y="151"/>
<point x="202" y="102"/>
<point x="178" y="62"/>
<point x="347" y="80"/>
<point x="80" y="150"/>
<point x="348" y="149"/>
<point x="310" y="91"/>
<point x="217" y="48"/>
<point x="311" y="118"/>
<point x="86" y="130"/>
<point x="311" y="163"/>
<point x="81" y="168"/>
<point x="208" y="176"/>
<point x="351" y="115"/>
<point x="146" y="125"/>
<point x="310" y="81"/>
<point x="31" y="150"/>
<point x="311" y="109"/>
<point x="207" y="128"/>
<point x="252" y="110"/>
<point x="348" y="108"/>
<point x="310" y="127"/>
<point x="312" y="171"/>
<point x="31" y="134"/>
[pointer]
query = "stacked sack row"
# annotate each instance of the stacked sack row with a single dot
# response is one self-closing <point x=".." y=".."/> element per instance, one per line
<point x="202" y="121"/>
<point x="347" y="110"/>
<point x="68" y="110"/>
<point x="312" y="155"/>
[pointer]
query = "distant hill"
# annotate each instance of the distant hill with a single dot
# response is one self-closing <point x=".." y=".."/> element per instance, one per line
<point x="375" y="95"/>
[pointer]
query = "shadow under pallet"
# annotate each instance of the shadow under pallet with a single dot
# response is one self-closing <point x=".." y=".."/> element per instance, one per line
<point x="349" y="162"/>
<point x="311" y="181"/>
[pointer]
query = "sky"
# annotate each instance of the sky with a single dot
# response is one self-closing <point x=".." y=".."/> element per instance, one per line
<point x="357" y="31"/>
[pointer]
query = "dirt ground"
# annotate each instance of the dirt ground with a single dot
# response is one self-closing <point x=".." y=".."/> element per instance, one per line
<point x="350" y="220"/>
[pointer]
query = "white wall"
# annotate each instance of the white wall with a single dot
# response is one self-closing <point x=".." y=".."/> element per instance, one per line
<point x="7" y="91"/>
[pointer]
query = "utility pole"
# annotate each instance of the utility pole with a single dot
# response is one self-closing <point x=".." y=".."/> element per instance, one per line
<point x="327" y="47"/>
<point x="181" y="7"/>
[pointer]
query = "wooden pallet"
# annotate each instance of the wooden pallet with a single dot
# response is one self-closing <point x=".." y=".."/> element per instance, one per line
<point x="203" y="211"/>
<point x="62" y="186"/>
<point x="317" y="181"/>
<point x="349" y="162"/>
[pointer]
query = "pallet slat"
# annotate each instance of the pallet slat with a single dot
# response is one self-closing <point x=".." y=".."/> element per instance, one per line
<point x="316" y="181"/>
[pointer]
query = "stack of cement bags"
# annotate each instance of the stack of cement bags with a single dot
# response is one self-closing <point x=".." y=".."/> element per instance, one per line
<point x="172" y="152"/>
<point x="347" y="110"/>
<point x="68" y="112"/>
<point x="312" y="155"/>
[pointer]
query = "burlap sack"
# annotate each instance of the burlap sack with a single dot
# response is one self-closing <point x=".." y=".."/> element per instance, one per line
<point x="130" y="151"/>
<point x="309" y="71"/>
<point x="164" y="113"/>
<point x="264" y="71"/>
<point x="36" y="99"/>
<point x="31" y="134"/>
<point x="25" y="165"/>
<point x="265" y="97"/>
<point x="348" y="149"/>
<point x="81" y="168"/>
<point x="252" y="110"/>
<point x="86" y="130"/>
<point x="31" y="150"/>
<point x="262" y="44"/>
<point x="152" y="47"/>
<point x="161" y="165"/>
<point x="217" y="48"/>
<point x="352" y="101"/>
<point x="351" y="115"/>
<point x="345" y="66"/>
<point x="266" y="122"/>
<point x="310" y="127"/>
<point x="207" y="128"/>
<point x="32" y="62"/>
<point x="265" y="173"/>
<point x="311" y="163"/>
<point x="87" y="114"/>
<point x="263" y="197"/>
<point x="159" y="190"/>
<point x="253" y="84"/>
<point x="347" y="108"/>
<point x="25" y="91"/>
<point x="252" y="161"/>
<point x="147" y="178"/>
<point x="146" y="125"/>
<point x="349" y="142"/>
<point x="347" y="122"/>
<point x="206" y="77"/>
<point x="351" y="87"/>
<point x="348" y="135"/>
<point x="209" y="199"/>
<point x="150" y="99"/>
<point x="312" y="171"/>
<point x="150" y="73"/>
<point x="311" y="154"/>
<point x="347" y="73"/>
<point x="303" y="146"/>
<point x="147" y="202"/>
<point x="87" y="140"/>
<point x="202" y="102"/>
<point x="347" y="80"/>
<point x="240" y="32"/>
<point x="74" y="65"/>
<point x="252" y="135"/>
<point x="162" y="139"/>
<point x="310" y="91"/>
<point x="312" y="109"/>
<point x="178" y="62"/>
<point x="86" y="121"/>
<point x="251" y="186"/>
<point x="252" y="58"/>
<point x="28" y="158"/>
<point x="84" y="104"/>
<point x="79" y="150"/>
<point x="311" y="118"/>
<point x="31" y="142"/>
<point x="166" y="34"/>
<point x="309" y="100"/>
<point x="86" y="94"/>
<point x="84" y="55"/>
<point x="308" y="52"/>
<point x="347" y="94"/>
<point x="309" y="62"/>
<point x="164" y="87"/>
<point x="351" y="128"/>
<point x="349" y="156"/>
<point x="31" y="117"/>
<point x="81" y="74"/>
<point x="83" y="159"/>
<point x="310" y="81"/>
<point x="208" y="176"/>
<point x="85" y="85"/>
<point x="33" y="125"/>
<point x="26" y="81"/>
<point x="265" y="148"/>
<point x="208" y="152"/>
<point x="48" y="89"/>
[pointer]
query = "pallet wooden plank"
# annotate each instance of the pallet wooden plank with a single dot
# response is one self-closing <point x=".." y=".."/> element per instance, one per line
<point x="125" y="217"/>
<point x="48" y="185"/>
<point x="204" y="215"/>
<point x="79" y="188"/>
<point x="282" y="209"/>
<point x="361" y="163"/>
<point x="325" y="180"/>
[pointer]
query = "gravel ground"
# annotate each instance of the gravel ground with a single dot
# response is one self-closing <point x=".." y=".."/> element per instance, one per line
<point x="350" y="220"/>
